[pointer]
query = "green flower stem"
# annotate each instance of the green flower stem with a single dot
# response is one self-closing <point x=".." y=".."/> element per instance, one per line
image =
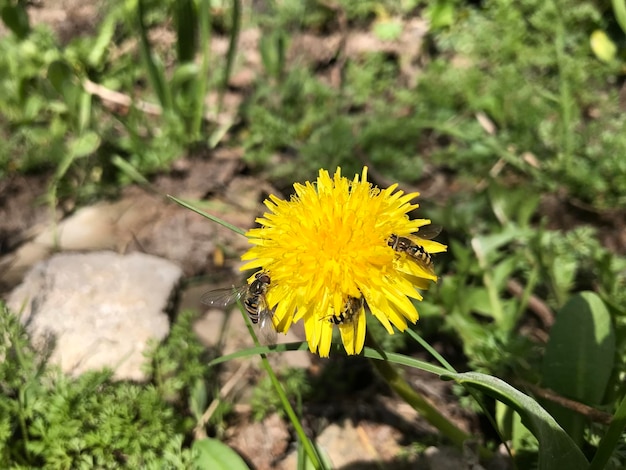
<point x="418" y="402"/>
<point x="309" y="448"/>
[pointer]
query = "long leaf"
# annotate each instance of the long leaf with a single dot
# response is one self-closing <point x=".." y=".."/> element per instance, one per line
<point x="15" y="17"/>
<point x="309" y="448"/>
<point x="215" y="455"/>
<point x="156" y="75"/>
<point x="186" y="19"/>
<point x="213" y="218"/>
<point x="619" y="9"/>
<point x="579" y="357"/>
<point x="611" y="439"/>
<point x="204" y="19"/>
<point x="337" y="349"/>
<point x="256" y="350"/>
<point x="556" y="448"/>
<point x="235" y="27"/>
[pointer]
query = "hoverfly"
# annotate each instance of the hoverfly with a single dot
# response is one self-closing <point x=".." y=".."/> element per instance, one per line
<point x="412" y="247"/>
<point x="254" y="301"/>
<point x="348" y="321"/>
<point x="352" y="306"/>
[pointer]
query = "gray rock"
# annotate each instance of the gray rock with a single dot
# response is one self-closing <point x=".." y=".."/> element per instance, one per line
<point x="449" y="458"/>
<point x="99" y="309"/>
<point x="348" y="446"/>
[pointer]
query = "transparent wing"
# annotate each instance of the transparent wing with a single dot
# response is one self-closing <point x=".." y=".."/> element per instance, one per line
<point x="267" y="331"/>
<point x="427" y="232"/>
<point x="223" y="297"/>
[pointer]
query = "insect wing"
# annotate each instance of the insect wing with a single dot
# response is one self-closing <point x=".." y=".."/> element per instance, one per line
<point x="352" y="329"/>
<point x="223" y="297"/>
<point x="267" y="331"/>
<point x="427" y="232"/>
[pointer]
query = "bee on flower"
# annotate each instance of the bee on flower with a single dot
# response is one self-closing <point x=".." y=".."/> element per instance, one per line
<point x="336" y="246"/>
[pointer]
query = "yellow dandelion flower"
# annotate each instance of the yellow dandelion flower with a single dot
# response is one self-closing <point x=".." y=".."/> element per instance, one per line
<point x="328" y="253"/>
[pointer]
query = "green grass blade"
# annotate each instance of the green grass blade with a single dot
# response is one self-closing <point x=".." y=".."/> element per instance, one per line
<point x="619" y="9"/>
<point x="129" y="170"/>
<point x="235" y="27"/>
<point x="215" y="219"/>
<point x="611" y="439"/>
<point x="430" y="350"/>
<point x="204" y="20"/>
<point x="403" y="360"/>
<point x="186" y="30"/>
<point x="309" y="448"/>
<point x="156" y="75"/>
<point x="256" y="350"/>
<point x="368" y="352"/>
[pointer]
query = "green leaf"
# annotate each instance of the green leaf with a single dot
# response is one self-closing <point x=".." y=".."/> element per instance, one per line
<point x="579" y="356"/>
<point x="513" y="205"/>
<point x="272" y="47"/>
<point x="305" y="463"/>
<point x="84" y="145"/>
<point x="233" y="38"/>
<point x="103" y="41"/>
<point x="215" y="455"/>
<point x="472" y="332"/>
<point x="486" y="246"/>
<point x="619" y="9"/>
<point x="556" y="448"/>
<point x="61" y="77"/>
<point x="84" y="112"/>
<point x="388" y="30"/>
<point x="16" y="19"/>
<point x="580" y="352"/>
<point x="336" y="348"/>
<point x="198" y="399"/>
<point x="610" y="440"/>
<point x="129" y="170"/>
<point x="440" y="14"/>
<point x="512" y="428"/>
<point x="154" y="67"/>
<point x="502" y="272"/>
<point x="477" y="298"/>
<point x="186" y="18"/>
<point x="184" y="73"/>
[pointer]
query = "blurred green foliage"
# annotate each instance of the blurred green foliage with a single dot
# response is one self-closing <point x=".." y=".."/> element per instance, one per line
<point x="525" y="65"/>
<point x="51" y="118"/>
<point x="508" y="100"/>
<point x="265" y="401"/>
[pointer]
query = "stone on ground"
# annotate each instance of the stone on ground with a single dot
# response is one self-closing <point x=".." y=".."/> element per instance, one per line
<point x="97" y="309"/>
